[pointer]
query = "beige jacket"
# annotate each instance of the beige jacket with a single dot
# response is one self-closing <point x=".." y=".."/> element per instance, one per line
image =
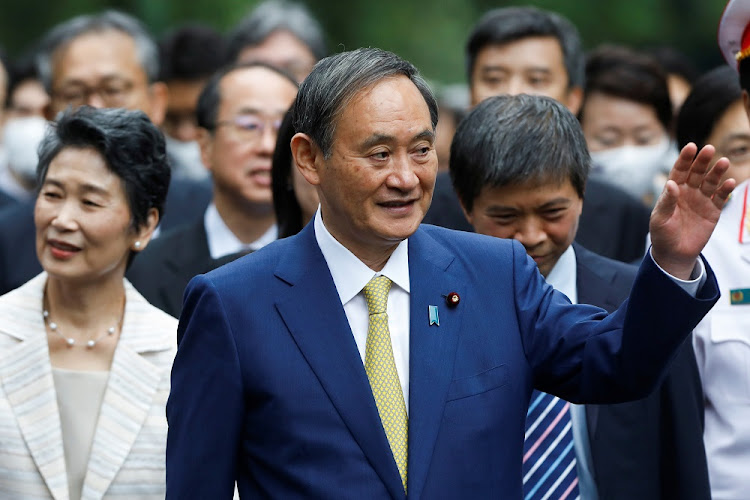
<point x="128" y="452"/>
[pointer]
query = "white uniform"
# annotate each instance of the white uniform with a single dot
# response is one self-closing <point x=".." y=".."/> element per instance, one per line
<point x="722" y="349"/>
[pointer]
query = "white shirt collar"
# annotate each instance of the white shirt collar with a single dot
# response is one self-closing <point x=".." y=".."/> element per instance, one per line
<point x="564" y="275"/>
<point x="221" y="239"/>
<point x="350" y="275"/>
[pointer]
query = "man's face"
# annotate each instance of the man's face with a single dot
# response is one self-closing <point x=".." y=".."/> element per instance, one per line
<point x="533" y="65"/>
<point x="238" y="152"/>
<point x="377" y="184"/>
<point x="180" y="121"/>
<point x="102" y="69"/>
<point x="543" y="217"/>
<point x="283" y="50"/>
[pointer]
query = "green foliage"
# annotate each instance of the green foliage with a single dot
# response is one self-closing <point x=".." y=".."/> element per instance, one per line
<point x="430" y="34"/>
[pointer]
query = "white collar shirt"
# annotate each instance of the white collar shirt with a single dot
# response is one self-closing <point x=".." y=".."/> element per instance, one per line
<point x="350" y="275"/>
<point x="222" y="241"/>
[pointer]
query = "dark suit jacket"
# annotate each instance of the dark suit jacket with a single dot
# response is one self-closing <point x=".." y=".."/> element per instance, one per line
<point x="650" y="449"/>
<point x="268" y="386"/>
<point x="6" y="200"/>
<point x="612" y="223"/>
<point x="18" y="262"/>
<point x="164" y="269"/>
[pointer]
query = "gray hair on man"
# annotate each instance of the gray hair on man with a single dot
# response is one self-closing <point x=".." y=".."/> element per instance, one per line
<point x="275" y="15"/>
<point x="110" y="20"/>
<point x="335" y="80"/>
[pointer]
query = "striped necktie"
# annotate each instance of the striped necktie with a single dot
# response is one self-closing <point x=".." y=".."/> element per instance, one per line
<point x="381" y="371"/>
<point x="549" y="459"/>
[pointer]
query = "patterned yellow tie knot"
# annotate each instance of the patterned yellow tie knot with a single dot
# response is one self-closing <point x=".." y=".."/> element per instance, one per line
<point x="376" y="294"/>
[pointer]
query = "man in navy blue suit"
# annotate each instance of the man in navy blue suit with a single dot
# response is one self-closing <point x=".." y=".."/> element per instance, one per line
<point x="646" y="449"/>
<point x="369" y="356"/>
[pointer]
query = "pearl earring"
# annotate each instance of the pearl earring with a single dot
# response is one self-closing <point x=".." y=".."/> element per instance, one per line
<point x="137" y="245"/>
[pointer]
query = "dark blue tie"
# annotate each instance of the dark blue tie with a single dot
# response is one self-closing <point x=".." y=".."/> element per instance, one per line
<point x="549" y="458"/>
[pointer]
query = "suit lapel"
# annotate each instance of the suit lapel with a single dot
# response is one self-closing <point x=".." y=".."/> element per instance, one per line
<point x="432" y="349"/>
<point x="312" y="311"/>
<point x="191" y="257"/>
<point x="133" y="380"/>
<point x="26" y="375"/>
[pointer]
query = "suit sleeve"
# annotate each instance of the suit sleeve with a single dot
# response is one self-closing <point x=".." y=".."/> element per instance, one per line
<point x="206" y="406"/>
<point x="583" y="355"/>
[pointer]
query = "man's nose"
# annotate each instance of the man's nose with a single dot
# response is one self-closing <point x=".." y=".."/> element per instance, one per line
<point x="403" y="175"/>
<point x="531" y="234"/>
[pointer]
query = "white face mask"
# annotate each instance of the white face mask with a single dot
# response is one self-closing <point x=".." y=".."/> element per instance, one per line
<point x="634" y="169"/>
<point x="186" y="156"/>
<point x="21" y="138"/>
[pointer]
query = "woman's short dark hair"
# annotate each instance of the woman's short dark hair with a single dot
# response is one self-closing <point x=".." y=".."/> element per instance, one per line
<point x="132" y="148"/>
<point x="620" y="72"/>
<point x="285" y="204"/>
<point x="707" y="102"/>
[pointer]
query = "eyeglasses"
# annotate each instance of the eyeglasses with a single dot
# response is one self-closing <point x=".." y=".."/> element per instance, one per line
<point x="113" y="94"/>
<point x="251" y="127"/>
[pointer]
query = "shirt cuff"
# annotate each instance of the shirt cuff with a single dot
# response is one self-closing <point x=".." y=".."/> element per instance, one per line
<point x="697" y="277"/>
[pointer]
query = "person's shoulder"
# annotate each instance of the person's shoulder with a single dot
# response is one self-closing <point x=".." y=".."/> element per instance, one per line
<point x="469" y="247"/>
<point x="601" y="263"/>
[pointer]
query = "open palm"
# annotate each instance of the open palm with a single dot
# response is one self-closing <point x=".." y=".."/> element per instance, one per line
<point x="688" y="209"/>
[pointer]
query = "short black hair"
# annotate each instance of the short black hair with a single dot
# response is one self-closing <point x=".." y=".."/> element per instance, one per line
<point x="707" y="102"/>
<point x="210" y="97"/>
<point x="744" y="69"/>
<point x="132" y="148"/>
<point x="511" y="140"/>
<point x="621" y="72"/>
<point x="675" y="62"/>
<point x="285" y="204"/>
<point x="509" y="24"/>
<point x="190" y="52"/>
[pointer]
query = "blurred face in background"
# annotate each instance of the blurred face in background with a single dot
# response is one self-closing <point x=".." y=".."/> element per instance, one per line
<point x="180" y="121"/>
<point x="731" y="138"/>
<point x="282" y="50"/>
<point x="102" y="70"/>
<point x="28" y="98"/>
<point x="533" y="65"/>
<point x="238" y="152"/>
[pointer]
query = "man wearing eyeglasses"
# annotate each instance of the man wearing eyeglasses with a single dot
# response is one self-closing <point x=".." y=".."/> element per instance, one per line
<point x="105" y="60"/>
<point x="239" y="113"/>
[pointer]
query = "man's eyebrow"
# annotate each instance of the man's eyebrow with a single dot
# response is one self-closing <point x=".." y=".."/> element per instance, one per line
<point x="376" y="139"/>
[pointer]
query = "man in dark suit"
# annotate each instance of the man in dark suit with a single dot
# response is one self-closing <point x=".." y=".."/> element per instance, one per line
<point x="368" y="356"/>
<point x="516" y="50"/>
<point x="239" y="113"/>
<point x="99" y="60"/>
<point x="646" y="449"/>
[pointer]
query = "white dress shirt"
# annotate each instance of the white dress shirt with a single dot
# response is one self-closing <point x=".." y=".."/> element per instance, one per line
<point x="722" y="350"/>
<point x="221" y="239"/>
<point x="350" y="275"/>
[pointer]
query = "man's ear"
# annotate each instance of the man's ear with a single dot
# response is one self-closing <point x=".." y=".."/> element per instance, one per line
<point x="574" y="99"/>
<point x="205" y="141"/>
<point x="467" y="214"/>
<point x="308" y="157"/>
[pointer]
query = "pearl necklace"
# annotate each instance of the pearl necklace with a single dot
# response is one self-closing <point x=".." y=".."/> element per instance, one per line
<point x="90" y="344"/>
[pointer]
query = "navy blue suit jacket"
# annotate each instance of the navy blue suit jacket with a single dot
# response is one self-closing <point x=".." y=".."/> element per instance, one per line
<point x="652" y="448"/>
<point x="268" y="386"/>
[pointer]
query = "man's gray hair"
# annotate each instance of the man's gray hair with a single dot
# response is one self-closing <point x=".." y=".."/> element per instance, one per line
<point x="276" y="15"/>
<point x="61" y="35"/>
<point x="335" y="80"/>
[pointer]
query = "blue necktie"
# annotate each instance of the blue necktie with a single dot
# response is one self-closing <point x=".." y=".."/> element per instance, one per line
<point x="549" y="458"/>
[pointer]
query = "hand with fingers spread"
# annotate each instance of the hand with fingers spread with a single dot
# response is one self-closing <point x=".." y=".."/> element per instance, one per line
<point x="688" y="209"/>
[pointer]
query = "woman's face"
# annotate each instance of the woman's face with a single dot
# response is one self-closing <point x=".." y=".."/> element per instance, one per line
<point x="306" y="194"/>
<point x="610" y="122"/>
<point x="731" y="138"/>
<point x="82" y="217"/>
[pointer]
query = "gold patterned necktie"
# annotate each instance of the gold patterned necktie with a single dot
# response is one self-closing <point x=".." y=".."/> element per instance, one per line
<point x="381" y="371"/>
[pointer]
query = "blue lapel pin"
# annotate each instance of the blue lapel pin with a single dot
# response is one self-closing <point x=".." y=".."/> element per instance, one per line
<point x="434" y="318"/>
